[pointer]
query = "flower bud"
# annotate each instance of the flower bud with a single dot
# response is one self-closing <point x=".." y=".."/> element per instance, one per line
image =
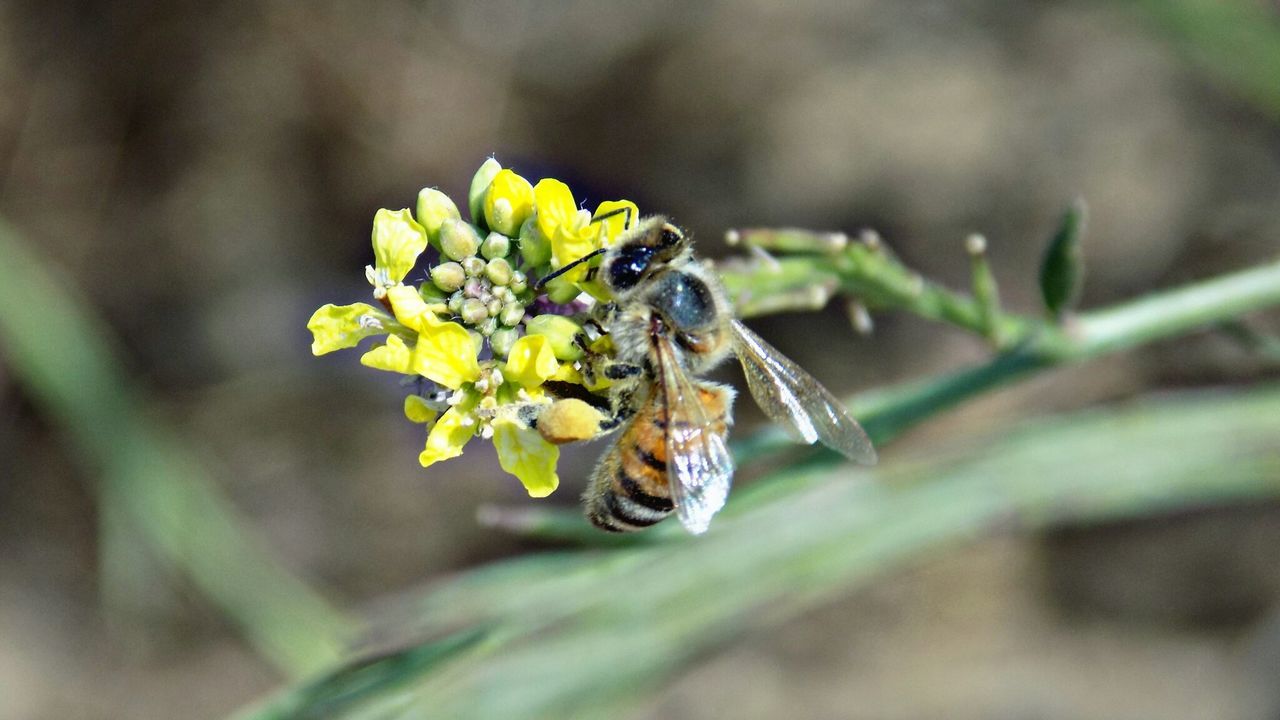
<point x="473" y="266"/>
<point x="511" y="314"/>
<point x="434" y="207"/>
<point x="495" y="246"/>
<point x="493" y="307"/>
<point x="480" y="183"/>
<point x="488" y="327"/>
<point x="430" y="293"/>
<point x="519" y="282"/>
<point x="560" y="332"/>
<point x="508" y="202"/>
<point x="502" y="340"/>
<point x="455" y="303"/>
<point x="498" y="271"/>
<point x="473" y="288"/>
<point x="474" y="311"/>
<point x="535" y="248"/>
<point x="503" y="293"/>
<point x="458" y="240"/>
<point x="562" y="292"/>
<point x="448" y="276"/>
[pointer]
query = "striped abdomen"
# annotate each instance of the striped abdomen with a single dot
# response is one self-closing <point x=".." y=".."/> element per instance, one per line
<point x="629" y="489"/>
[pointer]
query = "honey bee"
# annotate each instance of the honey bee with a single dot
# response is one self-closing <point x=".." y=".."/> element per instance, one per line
<point x="671" y="322"/>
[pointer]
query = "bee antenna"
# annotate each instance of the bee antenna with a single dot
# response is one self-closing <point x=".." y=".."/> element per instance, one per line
<point x="626" y="209"/>
<point x="542" y="281"/>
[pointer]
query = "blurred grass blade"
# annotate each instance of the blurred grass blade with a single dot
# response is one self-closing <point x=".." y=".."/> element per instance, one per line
<point x="1236" y="41"/>
<point x="59" y="353"/>
<point x="1062" y="270"/>
<point x="582" y="635"/>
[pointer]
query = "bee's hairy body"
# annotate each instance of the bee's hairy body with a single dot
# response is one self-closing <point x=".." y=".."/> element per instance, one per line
<point x="630" y="488"/>
<point x="671" y="322"/>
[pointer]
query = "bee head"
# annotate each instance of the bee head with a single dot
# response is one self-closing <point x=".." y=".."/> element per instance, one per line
<point x="652" y="244"/>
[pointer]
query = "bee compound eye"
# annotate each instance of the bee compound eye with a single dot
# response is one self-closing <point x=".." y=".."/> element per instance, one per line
<point x="671" y="235"/>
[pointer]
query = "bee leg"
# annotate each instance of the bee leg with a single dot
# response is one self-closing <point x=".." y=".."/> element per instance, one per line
<point x="621" y="371"/>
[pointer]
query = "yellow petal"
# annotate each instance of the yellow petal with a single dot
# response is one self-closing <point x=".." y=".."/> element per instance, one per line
<point x="398" y="240"/>
<point x="508" y="202"/>
<point x="417" y="410"/>
<point x="525" y="454"/>
<point x="450" y="433"/>
<point x="567" y="373"/>
<point x="615" y="225"/>
<point x="394" y="356"/>
<point x="555" y="206"/>
<point x="530" y="361"/>
<point x="334" y="327"/>
<point x="446" y="354"/>
<point x="410" y="309"/>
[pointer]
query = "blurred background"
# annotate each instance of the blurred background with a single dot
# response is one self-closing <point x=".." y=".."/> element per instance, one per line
<point x="203" y="176"/>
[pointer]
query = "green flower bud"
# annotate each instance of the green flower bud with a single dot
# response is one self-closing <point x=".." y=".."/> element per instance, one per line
<point x="477" y="340"/>
<point x="434" y="207"/>
<point x="488" y="327"/>
<point x="504" y="294"/>
<point x="534" y="247"/>
<point x="498" y="271"/>
<point x="473" y="267"/>
<point x="455" y="303"/>
<point x="458" y="240"/>
<point x="519" y="282"/>
<point x="430" y="293"/>
<point x="561" y="291"/>
<point x="474" y="311"/>
<point x="448" y="277"/>
<point x="502" y="340"/>
<point x="560" y="331"/>
<point x="495" y="246"/>
<point x="511" y="314"/>
<point x="480" y="187"/>
<point x="493" y="307"/>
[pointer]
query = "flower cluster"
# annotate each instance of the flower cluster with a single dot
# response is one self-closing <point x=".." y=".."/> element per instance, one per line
<point x="475" y="332"/>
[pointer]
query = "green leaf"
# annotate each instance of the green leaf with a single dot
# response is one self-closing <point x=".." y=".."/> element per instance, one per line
<point x="1062" y="271"/>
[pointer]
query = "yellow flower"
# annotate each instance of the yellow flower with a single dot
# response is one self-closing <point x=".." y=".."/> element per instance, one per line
<point x="398" y="240"/>
<point x="451" y="432"/>
<point x="416" y="410"/>
<point x="617" y="223"/>
<point x="525" y="454"/>
<point x="335" y="327"/>
<point x="444" y="352"/>
<point x="508" y="203"/>
<point x="530" y="362"/>
<point x="571" y="232"/>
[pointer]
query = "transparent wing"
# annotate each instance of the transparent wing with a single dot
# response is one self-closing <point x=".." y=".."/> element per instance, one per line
<point x="791" y="397"/>
<point x="699" y="468"/>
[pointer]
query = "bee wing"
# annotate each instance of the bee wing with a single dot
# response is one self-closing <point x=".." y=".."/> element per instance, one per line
<point x="699" y="467"/>
<point x="794" y="399"/>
